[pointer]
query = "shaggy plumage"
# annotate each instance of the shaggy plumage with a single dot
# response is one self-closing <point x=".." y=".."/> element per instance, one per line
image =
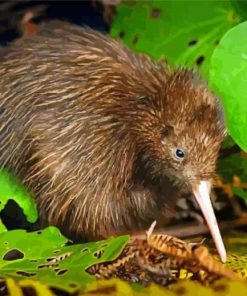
<point x="91" y="129"/>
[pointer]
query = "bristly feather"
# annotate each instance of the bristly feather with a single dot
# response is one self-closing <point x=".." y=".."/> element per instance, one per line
<point x="89" y="127"/>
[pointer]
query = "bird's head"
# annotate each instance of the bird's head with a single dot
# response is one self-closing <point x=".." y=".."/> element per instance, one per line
<point x="183" y="143"/>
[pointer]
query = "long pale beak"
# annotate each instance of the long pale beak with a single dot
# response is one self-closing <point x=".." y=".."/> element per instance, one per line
<point x="201" y="192"/>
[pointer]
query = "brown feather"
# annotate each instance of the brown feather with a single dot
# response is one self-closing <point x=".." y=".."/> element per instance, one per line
<point x="89" y="127"/>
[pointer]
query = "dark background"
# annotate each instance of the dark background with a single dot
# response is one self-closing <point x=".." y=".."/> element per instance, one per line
<point x="85" y="13"/>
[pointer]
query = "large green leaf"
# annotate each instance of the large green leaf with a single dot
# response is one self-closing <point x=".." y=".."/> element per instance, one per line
<point x="228" y="77"/>
<point x="240" y="7"/>
<point x="44" y="256"/>
<point x="185" y="32"/>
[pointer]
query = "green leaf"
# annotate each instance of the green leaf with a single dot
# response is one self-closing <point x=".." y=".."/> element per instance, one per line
<point x="10" y="188"/>
<point x="228" y="143"/>
<point x="241" y="193"/>
<point x="240" y="7"/>
<point x="2" y="227"/>
<point x="231" y="165"/>
<point x="185" y="32"/>
<point x="236" y="244"/>
<point x="44" y="256"/>
<point x="228" y="77"/>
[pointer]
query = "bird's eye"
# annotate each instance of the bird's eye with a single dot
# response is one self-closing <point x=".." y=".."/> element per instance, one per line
<point x="179" y="153"/>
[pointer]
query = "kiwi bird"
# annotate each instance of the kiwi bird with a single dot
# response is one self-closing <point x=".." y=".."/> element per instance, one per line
<point x="105" y="139"/>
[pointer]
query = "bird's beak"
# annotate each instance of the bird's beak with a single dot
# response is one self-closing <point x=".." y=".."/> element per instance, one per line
<point x="201" y="191"/>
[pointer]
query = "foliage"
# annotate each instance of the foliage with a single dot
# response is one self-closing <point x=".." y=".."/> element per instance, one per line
<point x="236" y="244"/>
<point x="240" y="7"/>
<point x="45" y="255"/>
<point x="10" y="188"/>
<point x="230" y="164"/>
<point x="184" y="32"/>
<point x="228" y="143"/>
<point x="228" y="77"/>
<point x="44" y="259"/>
<point x="237" y="256"/>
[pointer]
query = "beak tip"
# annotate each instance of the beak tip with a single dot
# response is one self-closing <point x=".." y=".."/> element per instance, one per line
<point x="223" y="256"/>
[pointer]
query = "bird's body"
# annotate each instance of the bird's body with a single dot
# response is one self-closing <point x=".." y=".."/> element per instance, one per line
<point x="93" y="130"/>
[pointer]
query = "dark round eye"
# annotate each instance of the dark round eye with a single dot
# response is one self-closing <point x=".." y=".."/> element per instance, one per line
<point x="179" y="153"/>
